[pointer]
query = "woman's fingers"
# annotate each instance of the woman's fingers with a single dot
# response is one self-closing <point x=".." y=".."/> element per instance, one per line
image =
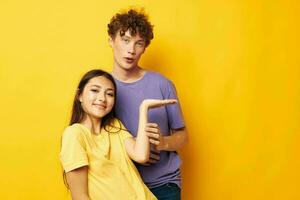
<point x="153" y="103"/>
<point x="165" y="102"/>
<point x="169" y="101"/>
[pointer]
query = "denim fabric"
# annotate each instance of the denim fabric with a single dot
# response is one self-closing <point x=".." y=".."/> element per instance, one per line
<point x="169" y="191"/>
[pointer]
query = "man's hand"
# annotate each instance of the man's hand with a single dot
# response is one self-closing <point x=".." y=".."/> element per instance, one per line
<point x="155" y="137"/>
<point x="152" y="129"/>
<point x="154" y="157"/>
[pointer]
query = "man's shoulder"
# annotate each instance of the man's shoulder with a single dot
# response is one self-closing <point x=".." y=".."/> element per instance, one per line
<point x="156" y="76"/>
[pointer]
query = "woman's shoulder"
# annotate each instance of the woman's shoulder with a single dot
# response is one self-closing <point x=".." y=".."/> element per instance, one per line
<point x="117" y="127"/>
<point x="75" y="130"/>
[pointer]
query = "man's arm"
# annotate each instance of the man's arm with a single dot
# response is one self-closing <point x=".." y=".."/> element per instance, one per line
<point x="173" y="142"/>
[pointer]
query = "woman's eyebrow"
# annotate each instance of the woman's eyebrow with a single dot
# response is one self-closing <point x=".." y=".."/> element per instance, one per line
<point x="98" y="86"/>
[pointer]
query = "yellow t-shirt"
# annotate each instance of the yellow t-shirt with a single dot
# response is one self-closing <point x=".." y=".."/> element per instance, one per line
<point x="111" y="173"/>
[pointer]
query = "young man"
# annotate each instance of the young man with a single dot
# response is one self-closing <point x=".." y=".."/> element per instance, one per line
<point x="130" y="33"/>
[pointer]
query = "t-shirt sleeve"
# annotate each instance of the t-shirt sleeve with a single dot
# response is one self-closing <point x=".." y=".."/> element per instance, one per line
<point x="174" y="111"/>
<point x="124" y="132"/>
<point x="73" y="149"/>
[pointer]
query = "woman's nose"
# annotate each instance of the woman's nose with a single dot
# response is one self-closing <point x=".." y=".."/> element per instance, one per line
<point x="101" y="96"/>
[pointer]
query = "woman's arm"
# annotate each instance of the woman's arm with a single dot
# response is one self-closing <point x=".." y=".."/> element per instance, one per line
<point x="78" y="183"/>
<point x="138" y="149"/>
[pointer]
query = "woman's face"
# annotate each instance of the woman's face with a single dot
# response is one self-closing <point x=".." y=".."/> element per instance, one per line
<point x="98" y="97"/>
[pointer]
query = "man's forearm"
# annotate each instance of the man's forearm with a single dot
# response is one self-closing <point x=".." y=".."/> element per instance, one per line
<point x="175" y="141"/>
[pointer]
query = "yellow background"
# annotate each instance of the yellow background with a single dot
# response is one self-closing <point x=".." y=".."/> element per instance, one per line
<point x="236" y="65"/>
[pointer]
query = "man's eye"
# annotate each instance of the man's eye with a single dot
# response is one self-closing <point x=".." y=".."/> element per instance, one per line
<point x="110" y="94"/>
<point x="94" y="90"/>
<point x="126" y="40"/>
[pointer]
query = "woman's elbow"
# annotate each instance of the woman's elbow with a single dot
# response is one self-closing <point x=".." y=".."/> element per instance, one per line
<point x="142" y="159"/>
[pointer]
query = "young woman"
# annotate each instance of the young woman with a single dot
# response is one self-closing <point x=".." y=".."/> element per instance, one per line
<point x="97" y="151"/>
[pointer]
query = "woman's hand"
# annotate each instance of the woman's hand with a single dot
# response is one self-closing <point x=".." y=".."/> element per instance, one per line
<point x="155" y="103"/>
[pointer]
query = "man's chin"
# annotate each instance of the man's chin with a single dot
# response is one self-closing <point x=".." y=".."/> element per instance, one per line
<point x="129" y="67"/>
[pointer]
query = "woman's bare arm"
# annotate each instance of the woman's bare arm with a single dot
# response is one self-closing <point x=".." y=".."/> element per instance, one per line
<point x="138" y="148"/>
<point x="78" y="183"/>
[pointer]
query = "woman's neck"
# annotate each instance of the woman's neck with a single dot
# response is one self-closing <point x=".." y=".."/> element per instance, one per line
<point x="92" y="124"/>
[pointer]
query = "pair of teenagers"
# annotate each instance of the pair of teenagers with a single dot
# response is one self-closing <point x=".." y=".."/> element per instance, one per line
<point x="125" y="128"/>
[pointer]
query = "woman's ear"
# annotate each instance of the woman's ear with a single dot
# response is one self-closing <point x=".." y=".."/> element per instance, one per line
<point x="78" y="95"/>
<point x="110" y="41"/>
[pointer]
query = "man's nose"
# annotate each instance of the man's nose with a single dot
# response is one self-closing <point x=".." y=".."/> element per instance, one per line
<point x="131" y="49"/>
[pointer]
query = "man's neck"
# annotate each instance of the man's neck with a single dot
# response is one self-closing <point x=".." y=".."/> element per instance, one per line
<point x="128" y="76"/>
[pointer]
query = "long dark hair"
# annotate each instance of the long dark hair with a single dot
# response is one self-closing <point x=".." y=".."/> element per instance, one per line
<point x="78" y="113"/>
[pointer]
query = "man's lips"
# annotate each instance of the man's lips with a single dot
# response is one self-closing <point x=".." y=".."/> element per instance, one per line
<point x="128" y="59"/>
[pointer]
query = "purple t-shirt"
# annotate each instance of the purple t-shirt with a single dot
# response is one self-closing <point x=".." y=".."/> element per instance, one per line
<point x="129" y="97"/>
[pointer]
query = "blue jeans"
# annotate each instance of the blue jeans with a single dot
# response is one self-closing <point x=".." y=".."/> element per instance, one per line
<point x="169" y="191"/>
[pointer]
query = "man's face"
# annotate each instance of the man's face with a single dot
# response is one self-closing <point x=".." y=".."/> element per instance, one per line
<point x="127" y="50"/>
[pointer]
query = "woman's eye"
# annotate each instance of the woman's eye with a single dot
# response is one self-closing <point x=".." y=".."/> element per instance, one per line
<point x="94" y="90"/>
<point x="110" y="94"/>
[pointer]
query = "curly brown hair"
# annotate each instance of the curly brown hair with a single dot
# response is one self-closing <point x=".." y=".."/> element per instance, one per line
<point x="135" y="21"/>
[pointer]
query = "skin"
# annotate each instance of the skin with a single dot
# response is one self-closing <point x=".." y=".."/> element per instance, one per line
<point x="127" y="51"/>
<point x="125" y="70"/>
<point x="97" y="100"/>
<point x="78" y="183"/>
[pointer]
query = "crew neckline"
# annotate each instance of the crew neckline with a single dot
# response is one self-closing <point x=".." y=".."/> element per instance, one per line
<point x="90" y="132"/>
<point x="134" y="82"/>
